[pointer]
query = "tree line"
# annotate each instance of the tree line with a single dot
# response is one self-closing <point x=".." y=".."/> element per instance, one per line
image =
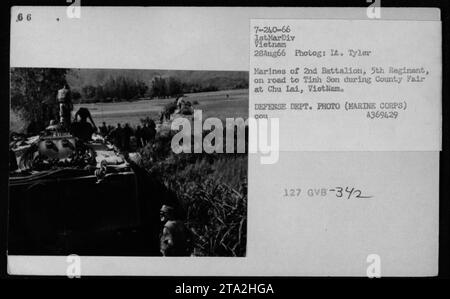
<point x="126" y="89"/>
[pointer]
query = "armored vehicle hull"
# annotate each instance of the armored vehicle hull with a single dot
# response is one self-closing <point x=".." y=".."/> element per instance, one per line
<point x="110" y="207"/>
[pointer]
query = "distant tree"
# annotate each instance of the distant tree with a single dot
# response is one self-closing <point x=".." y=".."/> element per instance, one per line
<point x="110" y="88"/>
<point x="174" y="87"/>
<point x="88" y="91"/>
<point x="159" y="87"/>
<point x="141" y="88"/>
<point x="122" y="88"/>
<point x="100" y="94"/>
<point x="33" y="94"/>
<point x="76" y="96"/>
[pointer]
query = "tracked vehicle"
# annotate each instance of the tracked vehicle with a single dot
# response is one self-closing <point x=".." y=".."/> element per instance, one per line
<point x="72" y="196"/>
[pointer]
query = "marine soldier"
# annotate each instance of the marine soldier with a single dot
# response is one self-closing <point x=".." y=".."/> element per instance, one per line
<point x="64" y="99"/>
<point x="81" y="128"/>
<point x="104" y="130"/>
<point x="175" y="236"/>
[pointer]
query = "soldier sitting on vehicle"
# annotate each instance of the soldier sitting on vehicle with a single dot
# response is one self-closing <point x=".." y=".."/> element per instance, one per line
<point x="175" y="236"/>
<point x="81" y="128"/>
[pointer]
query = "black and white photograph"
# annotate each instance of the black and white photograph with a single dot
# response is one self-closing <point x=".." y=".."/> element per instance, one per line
<point x="92" y="169"/>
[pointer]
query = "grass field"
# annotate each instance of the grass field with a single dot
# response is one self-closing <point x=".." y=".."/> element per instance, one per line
<point x="212" y="104"/>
